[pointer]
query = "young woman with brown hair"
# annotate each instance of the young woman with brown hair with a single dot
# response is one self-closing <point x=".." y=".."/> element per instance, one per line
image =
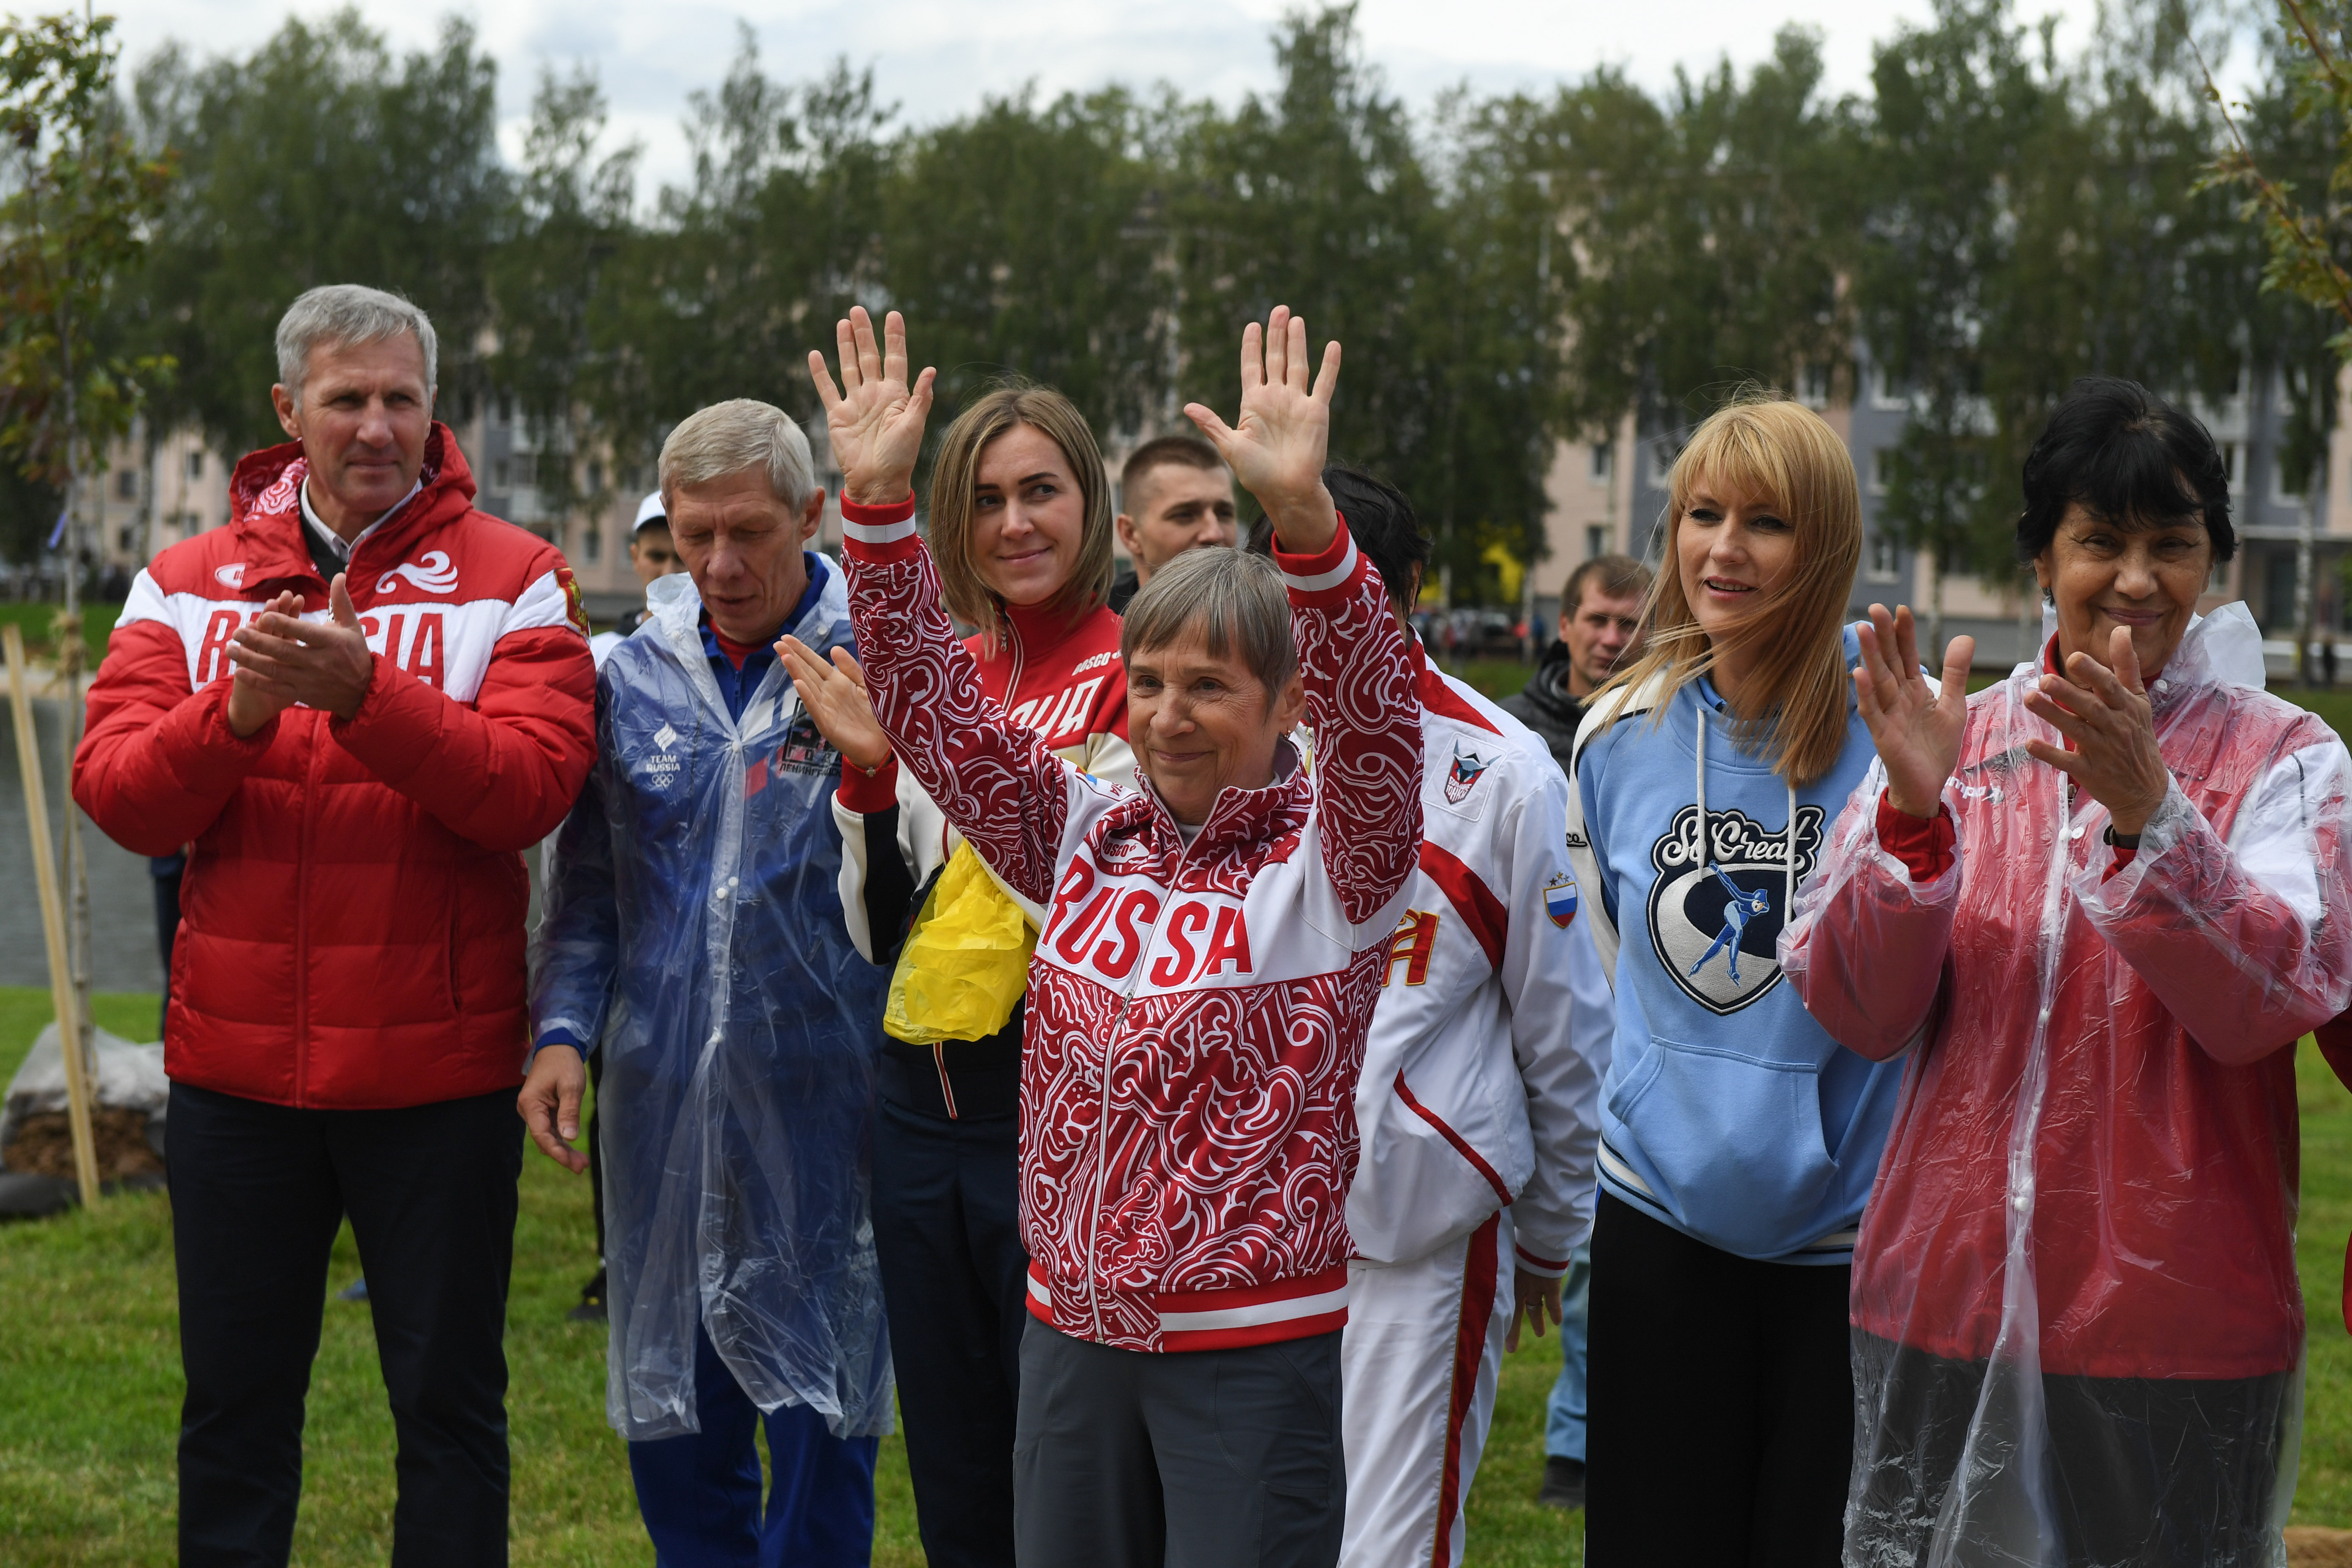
<point x="1738" y="1141"/>
<point x="1021" y="531"/>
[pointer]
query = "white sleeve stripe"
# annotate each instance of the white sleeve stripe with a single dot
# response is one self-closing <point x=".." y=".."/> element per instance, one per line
<point x="542" y="604"/>
<point x="1322" y="580"/>
<point x="886" y="533"/>
<point x="145" y="601"/>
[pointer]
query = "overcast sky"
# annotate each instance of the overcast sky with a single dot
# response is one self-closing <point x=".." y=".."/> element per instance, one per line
<point x="937" y="59"/>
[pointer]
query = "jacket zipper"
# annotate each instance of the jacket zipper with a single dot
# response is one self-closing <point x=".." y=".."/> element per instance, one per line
<point x="1110" y="1048"/>
<point x="302" y="925"/>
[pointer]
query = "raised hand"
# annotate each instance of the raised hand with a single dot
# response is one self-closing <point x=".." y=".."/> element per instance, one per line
<point x="2103" y="710"/>
<point x="874" y="418"/>
<point x="1277" y="445"/>
<point x="834" y="695"/>
<point x="1916" y="731"/>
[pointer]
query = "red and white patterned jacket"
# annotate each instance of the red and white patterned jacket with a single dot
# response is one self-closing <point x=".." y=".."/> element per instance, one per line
<point x="352" y="925"/>
<point x="1196" y="1016"/>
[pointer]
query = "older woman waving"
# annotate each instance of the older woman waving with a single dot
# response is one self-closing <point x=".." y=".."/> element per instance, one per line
<point x="1211" y="948"/>
<point x="2100" y="902"/>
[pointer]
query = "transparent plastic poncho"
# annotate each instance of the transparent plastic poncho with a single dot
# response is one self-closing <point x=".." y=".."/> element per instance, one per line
<point x="693" y="929"/>
<point x="2077" y="1331"/>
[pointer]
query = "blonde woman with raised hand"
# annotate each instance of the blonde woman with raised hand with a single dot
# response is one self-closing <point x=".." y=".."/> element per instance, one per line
<point x="1739" y="1140"/>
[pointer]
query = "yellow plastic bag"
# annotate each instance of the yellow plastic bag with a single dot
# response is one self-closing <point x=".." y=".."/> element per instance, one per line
<point x="966" y="962"/>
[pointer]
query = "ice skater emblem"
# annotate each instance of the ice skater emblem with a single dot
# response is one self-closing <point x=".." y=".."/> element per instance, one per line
<point x="1716" y="910"/>
<point x="1744" y="906"/>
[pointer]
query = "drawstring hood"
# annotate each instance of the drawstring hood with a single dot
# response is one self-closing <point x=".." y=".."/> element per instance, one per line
<point x="1706" y="851"/>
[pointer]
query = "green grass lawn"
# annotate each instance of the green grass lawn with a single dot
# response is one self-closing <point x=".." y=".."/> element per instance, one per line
<point x="90" y="1394"/>
<point x="38" y="621"/>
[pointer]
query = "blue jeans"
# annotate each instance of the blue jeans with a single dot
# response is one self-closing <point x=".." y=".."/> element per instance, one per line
<point x="699" y="1494"/>
<point x="1564" y="1412"/>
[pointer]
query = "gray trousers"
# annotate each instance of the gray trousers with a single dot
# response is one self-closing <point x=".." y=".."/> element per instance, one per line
<point x="1226" y="1458"/>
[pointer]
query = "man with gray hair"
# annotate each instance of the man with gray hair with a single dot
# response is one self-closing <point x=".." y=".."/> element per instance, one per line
<point x="694" y="943"/>
<point x="360" y="701"/>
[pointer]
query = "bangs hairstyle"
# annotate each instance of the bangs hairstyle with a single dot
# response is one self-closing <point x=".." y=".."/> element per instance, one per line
<point x="1784" y="457"/>
<point x="1234" y="597"/>
<point x="955" y="495"/>
<point x="2129" y="458"/>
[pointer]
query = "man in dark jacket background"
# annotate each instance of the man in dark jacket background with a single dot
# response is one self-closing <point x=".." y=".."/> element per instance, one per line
<point x="359" y="701"/>
<point x="1600" y="630"/>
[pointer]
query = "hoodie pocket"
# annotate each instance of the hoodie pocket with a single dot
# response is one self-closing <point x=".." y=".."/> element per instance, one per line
<point x="1738" y="1143"/>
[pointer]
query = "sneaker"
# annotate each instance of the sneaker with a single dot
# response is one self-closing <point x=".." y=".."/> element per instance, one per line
<point x="591" y="1302"/>
<point x="354" y="1291"/>
<point x="1563" y="1483"/>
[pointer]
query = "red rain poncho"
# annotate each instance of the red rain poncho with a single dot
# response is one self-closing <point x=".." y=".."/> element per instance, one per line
<point x="2091" y="1180"/>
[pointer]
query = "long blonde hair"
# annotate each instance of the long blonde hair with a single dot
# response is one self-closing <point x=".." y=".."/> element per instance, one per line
<point x="955" y="489"/>
<point x="1785" y="456"/>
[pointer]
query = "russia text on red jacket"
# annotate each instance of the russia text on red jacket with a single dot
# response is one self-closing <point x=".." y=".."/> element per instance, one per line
<point x="1196" y="1016"/>
<point x="352" y="932"/>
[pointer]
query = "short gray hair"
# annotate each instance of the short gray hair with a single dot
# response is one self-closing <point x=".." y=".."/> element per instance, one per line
<point x="730" y="436"/>
<point x="342" y="313"/>
<point x="1234" y="599"/>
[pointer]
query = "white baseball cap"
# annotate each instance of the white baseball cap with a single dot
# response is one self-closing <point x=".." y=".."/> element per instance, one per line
<point x="650" y="509"/>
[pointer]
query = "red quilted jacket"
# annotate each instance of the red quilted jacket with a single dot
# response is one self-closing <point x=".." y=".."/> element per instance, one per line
<point x="1196" y="1013"/>
<point x="352" y="925"/>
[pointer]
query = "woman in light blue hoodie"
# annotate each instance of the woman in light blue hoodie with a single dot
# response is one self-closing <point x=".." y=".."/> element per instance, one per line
<point x="1738" y="1141"/>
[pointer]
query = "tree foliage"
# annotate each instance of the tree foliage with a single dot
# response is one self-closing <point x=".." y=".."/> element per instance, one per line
<point x="76" y="195"/>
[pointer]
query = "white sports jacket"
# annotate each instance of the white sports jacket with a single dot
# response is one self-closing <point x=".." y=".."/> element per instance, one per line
<point x="1482" y="1074"/>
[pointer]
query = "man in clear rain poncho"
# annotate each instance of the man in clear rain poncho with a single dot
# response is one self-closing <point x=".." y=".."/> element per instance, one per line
<point x="694" y="936"/>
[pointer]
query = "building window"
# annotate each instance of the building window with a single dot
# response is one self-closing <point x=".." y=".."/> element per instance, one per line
<point x="1882" y="470"/>
<point x="1603" y="456"/>
<point x="591" y="545"/>
<point x="129" y="538"/>
<point x="126" y="484"/>
<point x="1658" y="462"/>
<point x="596" y="478"/>
<point x="2285" y="486"/>
<point x="1886" y="389"/>
<point x="1813" y="385"/>
<point x="1886" y="564"/>
<point x="501" y="473"/>
<point x="2234" y="460"/>
<point x="1596" y="540"/>
<point x="196" y="464"/>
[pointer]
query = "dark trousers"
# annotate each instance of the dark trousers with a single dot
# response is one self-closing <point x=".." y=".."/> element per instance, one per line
<point x="699" y="1494"/>
<point x="2146" y="1472"/>
<point x="1721" y="1416"/>
<point x="955" y="1282"/>
<point x="1226" y="1458"/>
<point x="257" y="1191"/>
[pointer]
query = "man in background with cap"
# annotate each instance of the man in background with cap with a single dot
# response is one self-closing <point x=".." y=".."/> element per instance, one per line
<point x="651" y="555"/>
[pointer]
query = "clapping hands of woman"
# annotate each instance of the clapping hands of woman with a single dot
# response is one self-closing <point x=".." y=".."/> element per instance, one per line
<point x="1917" y="729"/>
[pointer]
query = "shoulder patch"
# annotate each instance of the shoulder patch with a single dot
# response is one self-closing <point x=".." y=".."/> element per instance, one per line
<point x="1462" y="775"/>
<point x="1559" y="901"/>
<point x="575" y="608"/>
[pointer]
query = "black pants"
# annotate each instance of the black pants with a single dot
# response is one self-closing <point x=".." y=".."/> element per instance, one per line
<point x="257" y="1191"/>
<point x="1721" y="1404"/>
<point x="1226" y="1458"/>
<point x="946" y="1233"/>
<point x="2145" y="1471"/>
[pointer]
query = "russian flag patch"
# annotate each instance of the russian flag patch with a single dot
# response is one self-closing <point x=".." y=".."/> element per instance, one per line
<point x="1559" y="901"/>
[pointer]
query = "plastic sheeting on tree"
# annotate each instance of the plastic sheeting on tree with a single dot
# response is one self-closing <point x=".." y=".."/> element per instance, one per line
<point x="694" y="930"/>
<point x="2078" y="1332"/>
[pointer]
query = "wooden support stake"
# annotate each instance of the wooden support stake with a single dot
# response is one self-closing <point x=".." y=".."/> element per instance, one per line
<point x="53" y="920"/>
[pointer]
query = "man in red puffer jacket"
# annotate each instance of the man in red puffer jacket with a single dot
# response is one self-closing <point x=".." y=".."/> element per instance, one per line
<point x="360" y="701"/>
